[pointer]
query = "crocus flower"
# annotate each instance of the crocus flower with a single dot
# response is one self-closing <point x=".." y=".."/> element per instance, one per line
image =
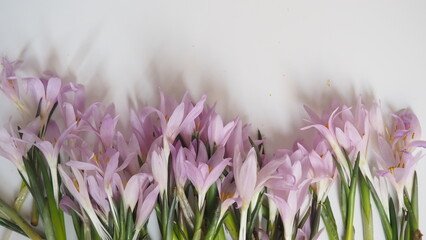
<point x="204" y="174"/>
<point x="217" y="133"/>
<point x="158" y="161"/>
<point x="79" y="191"/>
<point x="146" y="203"/>
<point x="249" y="181"/>
<point x="51" y="153"/>
<point x="292" y="200"/>
<point x="45" y="92"/>
<point x="9" y="83"/>
<point x="322" y="169"/>
<point x="228" y="194"/>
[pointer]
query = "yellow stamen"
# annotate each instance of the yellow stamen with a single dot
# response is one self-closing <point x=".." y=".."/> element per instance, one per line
<point x="76" y="184"/>
<point x="405" y="138"/>
<point x="166" y="117"/>
<point x="391" y="169"/>
<point x="226" y="195"/>
<point x="412" y="135"/>
<point x="198" y="126"/>
<point x="326" y="125"/>
<point x="96" y="159"/>
<point x="322" y="155"/>
<point x="107" y="160"/>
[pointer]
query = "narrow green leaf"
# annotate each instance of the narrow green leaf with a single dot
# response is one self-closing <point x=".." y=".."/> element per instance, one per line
<point x="329" y="221"/>
<point x="231" y="225"/>
<point x="253" y="214"/>
<point x="169" y="231"/>
<point x="415" y="197"/>
<point x="393" y="221"/>
<point x="342" y="176"/>
<point x="130" y="225"/>
<point x="349" y="235"/>
<point x="256" y="149"/>
<point x="387" y="229"/>
<point x="366" y="212"/>
<point x="411" y="216"/>
<point x="12" y="226"/>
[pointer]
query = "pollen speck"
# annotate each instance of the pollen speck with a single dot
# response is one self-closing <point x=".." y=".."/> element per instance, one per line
<point x="328" y="83"/>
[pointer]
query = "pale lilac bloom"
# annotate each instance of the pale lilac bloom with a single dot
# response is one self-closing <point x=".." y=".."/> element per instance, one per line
<point x="322" y="169"/>
<point x="204" y="173"/>
<point x="219" y="134"/>
<point x="146" y="203"/>
<point x="238" y="139"/>
<point x="12" y="150"/>
<point x="292" y="200"/>
<point x="179" y="119"/>
<point x="397" y="156"/>
<point x="51" y="154"/>
<point x="179" y="168"/>
<point x="328" y="131"/>
<point x="158" y="163"/>
<point x="9" y="83"/>
<point x="354" y="136"/>
<point x="47" y="92"/>
<point x="249" y="181"/>
<point x="228" y="193"/>
<point x="79" y="191"/>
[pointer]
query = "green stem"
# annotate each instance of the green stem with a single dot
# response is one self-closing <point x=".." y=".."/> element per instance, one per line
<point x="199" y="216"/>
<point x="351" y="202"/>
<point x="231" y="225"/>
<point x="329" y="220"/>
<point x="13" y="215"/>
<point x="22" y="195"/>
<point x="366" y="213"/>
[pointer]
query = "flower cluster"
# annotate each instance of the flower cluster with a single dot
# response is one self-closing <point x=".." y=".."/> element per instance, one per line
<point x="199" y="176"/>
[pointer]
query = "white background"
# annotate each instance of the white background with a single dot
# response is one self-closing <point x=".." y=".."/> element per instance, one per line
<point x="261" y="60"/>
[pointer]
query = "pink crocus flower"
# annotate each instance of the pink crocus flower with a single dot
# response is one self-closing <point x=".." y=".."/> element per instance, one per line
<point x="204" y="173"/>
<point x="249" y="182"/>
<point x="9" y="83"/>
<point x="397" y="156"/>
<point x="329" y="131"/>
<point x="146" y="203"/>
<point x="51" y="153"/>
<point x="46" y="91"/>
<point x="218" y="134"/>
<point x="78" y="189"/>
<point x="238" y="139"/>
<point x="290" y="200"/>
<point x="228" y="194"/>
<point x="158" y="163"/>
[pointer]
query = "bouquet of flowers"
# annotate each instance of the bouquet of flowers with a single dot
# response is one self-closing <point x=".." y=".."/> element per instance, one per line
<point x="191" y="175"/>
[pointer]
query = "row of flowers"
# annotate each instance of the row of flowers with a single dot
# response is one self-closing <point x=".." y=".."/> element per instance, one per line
<point x="198" y="177"/>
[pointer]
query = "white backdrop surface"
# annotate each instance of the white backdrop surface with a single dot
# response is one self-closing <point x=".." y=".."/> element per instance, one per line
<point x="261" y="60"/>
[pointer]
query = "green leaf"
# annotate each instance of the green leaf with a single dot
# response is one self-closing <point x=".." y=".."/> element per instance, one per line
<point x="169" y="226"/>
<point x="387" y="228"/>
<point x="393" y="221"/>
<point x="231" y="225"/>
<point x="12" y="226"/>
<point x="349" y="235"/>
<point x="411" y="217"/>
<point x="253" y="214"/>
<point x="256" y="149"/>
<point x="130" y="225"/>
<point x="366" y="212"/>
<point x="415" y="197"/>
<point x="342" y="176"/>
<point x="329" y="221"/>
